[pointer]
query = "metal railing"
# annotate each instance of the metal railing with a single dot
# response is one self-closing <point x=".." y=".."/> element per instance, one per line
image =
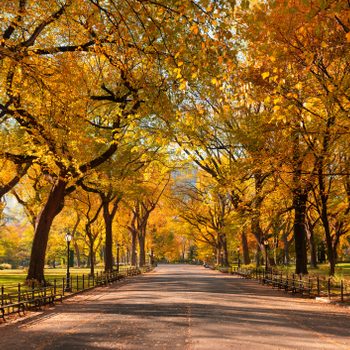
<point x="311" y="285"/>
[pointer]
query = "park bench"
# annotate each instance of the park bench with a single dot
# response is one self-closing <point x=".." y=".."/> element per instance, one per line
<point x="38" y="297"/>
<point x="104" y="279"/>
<point x="268" y="278"/>
<point x="281" y="282"/>
<point x="243" y="273"/>
<point x="302" y="287"/>
<point x="49" y="295"/>
<point x="290" y="283"/>
<point x="13" y="303"/>
<point x="27" y="299"/>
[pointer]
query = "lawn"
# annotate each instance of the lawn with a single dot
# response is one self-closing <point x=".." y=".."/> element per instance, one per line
<point x="17" y="276"/>
<point x="342" y="270"/>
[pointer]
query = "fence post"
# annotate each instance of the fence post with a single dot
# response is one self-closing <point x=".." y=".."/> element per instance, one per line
<point x="19" y="292"/>
<point x="2" y="295"/>
<point x="63" y="286"/>
<point x="54" y="286"/>
<point x="77" y="282"/>
<point x="83" y="281"/>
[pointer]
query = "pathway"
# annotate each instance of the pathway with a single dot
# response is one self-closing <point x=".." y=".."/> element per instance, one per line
<point x="183" y="307"/>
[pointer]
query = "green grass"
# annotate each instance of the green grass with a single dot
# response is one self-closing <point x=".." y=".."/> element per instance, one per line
<point x="18" y="276"/>
<point x="342" y="270"/>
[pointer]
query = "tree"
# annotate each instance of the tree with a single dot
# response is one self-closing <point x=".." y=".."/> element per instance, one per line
<point x="155" y="182"/>
<point x="90" y="207"/>
<point x="208" y="212"/>
<point x="299" y="77"/>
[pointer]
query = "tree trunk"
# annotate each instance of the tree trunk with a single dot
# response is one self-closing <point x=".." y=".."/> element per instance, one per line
<point x="77" y="253"/>
<point x="142" y="249"/>
<point x="329" y="241"/>
<point x="92" y="258"/>
<point x="256" y="206"/>
<point x="313" y="253"/>
<point x="52" y="208"/>
<point x="324" y="193"/>
<point x="224" y="255"/>
<point x="300" y="195"/>
<point x="218" y="251"/>
<point x="286" y="258"/>
<point x="258" y="255"/>
<point x="324" y="219"/>
<point x="109" y="239"/>
<point x="272" y="261"/>
<point x="299" y="202"/>
<point x="133" y="248"/>
<point x="245" y="248"/>
<point x="108" y="216"/>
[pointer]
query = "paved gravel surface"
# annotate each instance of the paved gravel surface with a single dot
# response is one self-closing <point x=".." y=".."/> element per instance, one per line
<point x="182" y="307"/>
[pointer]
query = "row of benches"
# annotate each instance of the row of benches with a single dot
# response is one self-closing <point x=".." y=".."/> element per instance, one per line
<point x="104" y="279"/>
<point x="288" y="283"/>
<point x="36" y="297"/>
<point x="33" y="298"/>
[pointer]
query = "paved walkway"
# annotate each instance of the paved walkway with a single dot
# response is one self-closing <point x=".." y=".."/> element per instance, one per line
<point x="183" y="307"/>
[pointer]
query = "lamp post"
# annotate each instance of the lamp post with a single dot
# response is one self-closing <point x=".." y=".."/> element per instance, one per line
<point x="118" y="247"/>
<point x="68" y="237"/>
<point x="266" y="245"/>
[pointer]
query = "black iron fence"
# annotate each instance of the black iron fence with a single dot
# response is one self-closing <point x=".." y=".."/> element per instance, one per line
<point x="310" y="285"/>
<point x="14" y="295"/>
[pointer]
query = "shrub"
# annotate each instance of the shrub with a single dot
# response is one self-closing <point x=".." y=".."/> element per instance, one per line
<point x="5" y="266"/>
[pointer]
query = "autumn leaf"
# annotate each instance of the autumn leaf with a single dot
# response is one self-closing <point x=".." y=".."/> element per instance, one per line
<point x="183" y="85"/>
<point x="348" y="37"/>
